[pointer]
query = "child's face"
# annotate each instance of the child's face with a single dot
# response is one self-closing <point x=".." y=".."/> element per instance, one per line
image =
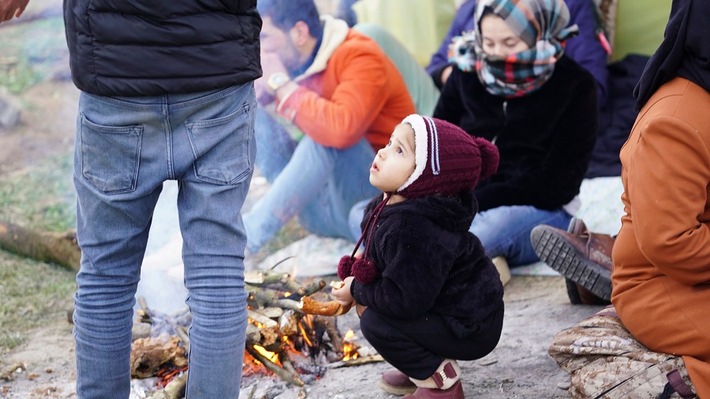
<point x="498" y="39"/>
<point x="394" y="163"/>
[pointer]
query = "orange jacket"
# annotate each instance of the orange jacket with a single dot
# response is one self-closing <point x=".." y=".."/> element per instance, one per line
<point x="351" y="89"/>
<point x="661" y="276"/>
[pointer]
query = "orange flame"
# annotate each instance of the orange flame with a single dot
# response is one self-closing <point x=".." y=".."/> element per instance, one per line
<point x="349" y="346"/>
<point x="267" y="354"/>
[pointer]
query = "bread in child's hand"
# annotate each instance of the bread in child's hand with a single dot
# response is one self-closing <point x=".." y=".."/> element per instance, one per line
<point x="328" y="308"/>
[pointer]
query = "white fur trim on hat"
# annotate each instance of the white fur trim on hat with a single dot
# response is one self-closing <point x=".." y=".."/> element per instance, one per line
<point x="419" y="125"/>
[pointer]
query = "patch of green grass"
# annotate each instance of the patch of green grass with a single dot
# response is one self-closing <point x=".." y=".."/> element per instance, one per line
<point x="29" y="52"/>
<point x="19" y="77"/>
<point x="289" y="234"/>
<point x="40" y="198"/>
<point x="35" y="293"/>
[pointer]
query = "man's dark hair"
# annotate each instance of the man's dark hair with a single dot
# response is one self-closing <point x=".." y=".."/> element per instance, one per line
<point x="285" y="13"/>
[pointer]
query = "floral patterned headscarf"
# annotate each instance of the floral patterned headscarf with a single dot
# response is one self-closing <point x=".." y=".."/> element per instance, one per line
<point x="542" y="24"/>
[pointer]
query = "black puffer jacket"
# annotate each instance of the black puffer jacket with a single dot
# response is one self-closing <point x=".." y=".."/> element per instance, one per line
<point x="545" y="139"/>
<point x="429" y="262"/>
<point x="144" y="48"/>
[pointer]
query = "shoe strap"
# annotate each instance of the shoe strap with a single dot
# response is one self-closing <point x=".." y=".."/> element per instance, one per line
<point x="442" y="376"/>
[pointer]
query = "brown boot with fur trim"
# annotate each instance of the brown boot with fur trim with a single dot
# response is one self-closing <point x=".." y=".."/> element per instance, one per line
<point x="445" y="383"/>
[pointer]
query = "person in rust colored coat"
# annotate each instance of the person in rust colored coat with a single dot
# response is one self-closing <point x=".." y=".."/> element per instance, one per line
<point x="661" y="256"/>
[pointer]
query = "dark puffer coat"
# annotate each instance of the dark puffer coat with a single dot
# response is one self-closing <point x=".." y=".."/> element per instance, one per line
<point x="430" y="262"/>
<point x="144" y="48"/>
<point x="545" y="138"/>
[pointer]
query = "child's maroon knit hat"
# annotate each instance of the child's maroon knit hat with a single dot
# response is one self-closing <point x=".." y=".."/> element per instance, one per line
<point x="447" y="159"/>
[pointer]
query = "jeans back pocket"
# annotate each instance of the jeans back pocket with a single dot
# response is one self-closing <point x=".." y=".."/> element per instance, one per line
<point x="110" y="155"/>
<point x="223" y="147"/>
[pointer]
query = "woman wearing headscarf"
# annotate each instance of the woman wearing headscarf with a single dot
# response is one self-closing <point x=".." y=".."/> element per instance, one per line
<point x="515" y="86"/>
<point x="661" y="256"/>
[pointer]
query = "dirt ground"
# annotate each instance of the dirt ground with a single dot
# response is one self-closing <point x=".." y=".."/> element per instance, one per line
<point x="537" y="307"/>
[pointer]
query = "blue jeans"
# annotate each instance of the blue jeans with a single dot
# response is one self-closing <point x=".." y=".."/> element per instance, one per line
<point x="505" y="231"/>
<point x="357" y="212"/>
<point x="318" y="184"/>
<point x="125" y="149"/>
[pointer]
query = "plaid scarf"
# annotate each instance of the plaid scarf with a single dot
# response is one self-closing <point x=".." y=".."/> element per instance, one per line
<point x="540" y="23"/>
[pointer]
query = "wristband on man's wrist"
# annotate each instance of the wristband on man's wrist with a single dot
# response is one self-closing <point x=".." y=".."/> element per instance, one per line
<point x="277" y="80"/>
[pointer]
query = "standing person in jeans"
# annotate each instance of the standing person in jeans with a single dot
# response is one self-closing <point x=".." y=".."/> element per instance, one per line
<point x="171" y="98"/>
<point x="329" y="98"/>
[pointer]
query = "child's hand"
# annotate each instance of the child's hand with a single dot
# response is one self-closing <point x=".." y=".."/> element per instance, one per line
<point x="342" y="294"/>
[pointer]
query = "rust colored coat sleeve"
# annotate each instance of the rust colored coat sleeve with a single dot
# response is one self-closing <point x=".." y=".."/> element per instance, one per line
<point x="668" y="179"/>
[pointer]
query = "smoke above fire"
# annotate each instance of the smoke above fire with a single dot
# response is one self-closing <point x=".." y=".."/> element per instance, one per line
<point x="162" y="273"/>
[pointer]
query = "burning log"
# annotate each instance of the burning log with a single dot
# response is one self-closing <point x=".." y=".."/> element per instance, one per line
<point x="276" y="369"/>
<point x="262" y="293"/>
<point x="288" y="322"/>
<point x="253" y="334"/>
<point x="286" y="330"/>
<point x="313" y="287"/>
<point x="265" y="321"/>
<point x="272" y="312"/>
<point x="357" y="361"/>
<point x="287" y="364"/>
<point x="267" y="298"/>
<point x="269" y="333"/>
<point x="336" y="340"/>
<point x="164" y="324"/>
<point x="174" y="390"/>
<point x="148" y="355"/>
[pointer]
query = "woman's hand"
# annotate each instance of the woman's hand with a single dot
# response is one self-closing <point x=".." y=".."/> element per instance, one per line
<point x="343" y="294"/>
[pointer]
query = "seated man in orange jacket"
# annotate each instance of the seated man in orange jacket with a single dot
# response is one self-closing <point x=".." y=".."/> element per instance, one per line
<point x="329" y="98"/>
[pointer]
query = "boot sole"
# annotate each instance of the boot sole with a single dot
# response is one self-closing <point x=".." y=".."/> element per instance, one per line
<point x="395" y="390"/>
<point x="572" y="264"/>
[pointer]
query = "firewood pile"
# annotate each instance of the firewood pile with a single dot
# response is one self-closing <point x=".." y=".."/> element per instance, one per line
<point x="292" y="333"/>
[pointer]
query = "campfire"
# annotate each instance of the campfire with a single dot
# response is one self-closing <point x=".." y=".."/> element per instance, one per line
<point x="292" y="334"/>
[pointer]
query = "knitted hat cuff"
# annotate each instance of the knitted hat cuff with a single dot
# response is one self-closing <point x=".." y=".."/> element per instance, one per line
<point x="421" y="148"/>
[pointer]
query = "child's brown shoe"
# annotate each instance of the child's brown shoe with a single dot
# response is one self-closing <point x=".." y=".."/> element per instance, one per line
<point x="396" y="382"/>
